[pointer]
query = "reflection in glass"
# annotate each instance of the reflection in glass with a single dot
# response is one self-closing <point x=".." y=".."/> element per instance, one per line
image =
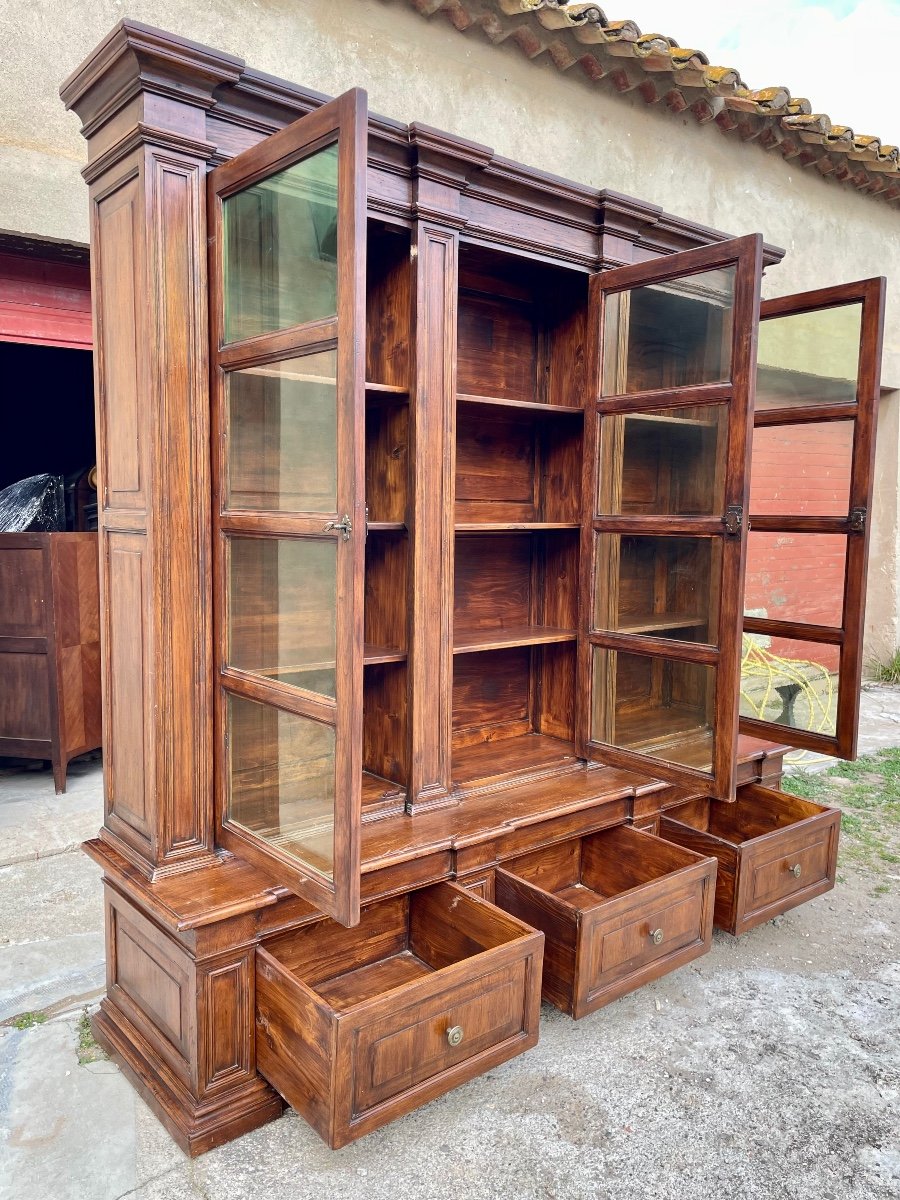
<point x="280" y="249"/>
<point x="667" y="461"/>
<point x="790" y="682"/>
<point x="796" y="577"/>
<point x="802" y="470"/>
<point x="809" y="358"/>
<point x="670" y="334"/>
<point x="663" y="586"/>
<point x="282" y="435"/>
<point x="281" y="780"/>
<point x="282" y="602"/>
<point x="655" y="706"/>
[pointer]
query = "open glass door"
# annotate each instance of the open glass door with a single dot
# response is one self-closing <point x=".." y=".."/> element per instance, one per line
<point x="811" y="486"/>
<point x="287" y="267"/>
<point x="663" y="534"/>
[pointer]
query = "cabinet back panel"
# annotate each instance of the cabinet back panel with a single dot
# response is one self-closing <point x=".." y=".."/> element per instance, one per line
<point x="491" y="694"/>
<point x="492" y="582"/>
<point x="495" y="462"/>
<point x="497" y="351"/>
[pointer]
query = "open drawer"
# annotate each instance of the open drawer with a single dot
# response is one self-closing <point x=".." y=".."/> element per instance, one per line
<point x="358" y="1026"/>
<point x="618" y="908"/>
<point x="774" y="850"/>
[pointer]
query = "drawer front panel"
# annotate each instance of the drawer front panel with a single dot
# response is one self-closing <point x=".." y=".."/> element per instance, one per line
<point x="646" y="934"/>
<point x="398" y="1052"/>
<point x="798" y="861"/>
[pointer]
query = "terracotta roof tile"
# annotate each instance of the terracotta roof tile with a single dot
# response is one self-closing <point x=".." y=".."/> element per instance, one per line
<point x="660" y="70"/>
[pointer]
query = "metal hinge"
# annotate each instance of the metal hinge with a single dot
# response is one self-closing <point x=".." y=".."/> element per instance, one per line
<point x="857" y="520"/>
<point x="733" y="520"/>
<point x="345" y="526"/>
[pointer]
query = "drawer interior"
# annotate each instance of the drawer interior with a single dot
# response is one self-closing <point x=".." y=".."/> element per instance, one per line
<point x="584" y="871"/>
<point x="396" y="942"/>
<point x="755" y="812"/>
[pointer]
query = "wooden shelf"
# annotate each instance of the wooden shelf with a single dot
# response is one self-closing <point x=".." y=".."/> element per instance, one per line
<point x="386" y="391"/>
<point x="382" y="654"/>
<point x="386" y="527"/>
<point x="514" y="526"/>
<point x="653" y="622"/>
<point x="475" y="641"/>
<point x="530" y="754"/>
<point x="525" y="406"/>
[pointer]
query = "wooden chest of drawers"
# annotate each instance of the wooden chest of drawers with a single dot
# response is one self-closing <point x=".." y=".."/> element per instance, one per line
<point x="49" y="647"/>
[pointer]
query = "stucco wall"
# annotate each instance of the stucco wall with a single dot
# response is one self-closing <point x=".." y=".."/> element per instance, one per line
<point x="424" y="70"/>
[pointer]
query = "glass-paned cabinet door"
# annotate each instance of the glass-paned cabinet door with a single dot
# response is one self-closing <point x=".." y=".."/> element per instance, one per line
<point x="667" y="431"/>
<point x="287" y="271"/>
<point x="810" y="492"/>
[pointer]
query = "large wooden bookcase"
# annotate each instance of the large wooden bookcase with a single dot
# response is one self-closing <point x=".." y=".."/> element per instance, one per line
<point x="424" y="520"/>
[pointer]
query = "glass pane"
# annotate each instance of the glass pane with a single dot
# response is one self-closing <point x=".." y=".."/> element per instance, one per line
<point x="667" y="461"/>
<point x="790" y="682"/>
<point x="664" y="586"/>
<point x="808" y="358"/>
<point x="803" y="470"/>
<point x="654" y="706"/>
<point x="796" y="577"/>
<point x="282" y="602"/>
<point x="281" y="780"/>
<point x="669" y="334"/>
<point x="282" y="435"/>
<point x="280" y="249"/>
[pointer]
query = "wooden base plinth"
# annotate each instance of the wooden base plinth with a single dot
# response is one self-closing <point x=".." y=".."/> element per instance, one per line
<point x="196" y="1125"/>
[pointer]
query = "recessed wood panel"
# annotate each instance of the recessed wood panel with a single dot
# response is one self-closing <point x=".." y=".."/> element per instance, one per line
<point x="23" y="612"/>
<point x="227" y="994"/>
<point x="24" y="675"/>
<point x="150" y="982"/>
<point x="119" y="271"/>
<point x="128" y="778"/>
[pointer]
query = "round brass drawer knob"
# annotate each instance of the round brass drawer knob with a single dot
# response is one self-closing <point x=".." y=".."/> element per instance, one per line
<point x="795" y="870"/>
<point x="455" y="1035"/>
<point x="656" y="936"/>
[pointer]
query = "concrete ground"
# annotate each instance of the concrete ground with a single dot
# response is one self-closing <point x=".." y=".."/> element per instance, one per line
<point x="768" y="1069"/>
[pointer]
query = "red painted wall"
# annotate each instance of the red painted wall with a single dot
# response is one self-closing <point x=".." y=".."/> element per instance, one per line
<point x="799" y="470"/>
<point x="45" y="303"/>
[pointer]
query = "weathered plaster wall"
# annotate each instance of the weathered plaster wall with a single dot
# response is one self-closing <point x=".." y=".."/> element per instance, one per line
<point x="424" y="70"/>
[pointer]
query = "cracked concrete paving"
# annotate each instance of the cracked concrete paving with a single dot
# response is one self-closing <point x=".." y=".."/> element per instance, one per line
<point x="767" y="1069"/>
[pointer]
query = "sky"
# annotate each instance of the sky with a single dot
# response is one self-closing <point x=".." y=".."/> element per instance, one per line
<point x="837" y="53"/>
